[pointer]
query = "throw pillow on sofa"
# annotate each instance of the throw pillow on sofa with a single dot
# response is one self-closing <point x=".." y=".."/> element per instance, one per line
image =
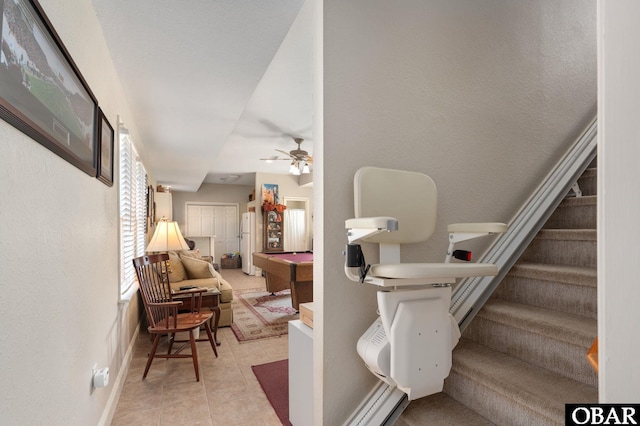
<point x="196" y="268"/>
<point x="195" y="254"/>
<point x="176" y="270"/>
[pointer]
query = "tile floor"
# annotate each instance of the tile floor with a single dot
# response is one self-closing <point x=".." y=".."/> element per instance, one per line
<point x="228" y="392"/>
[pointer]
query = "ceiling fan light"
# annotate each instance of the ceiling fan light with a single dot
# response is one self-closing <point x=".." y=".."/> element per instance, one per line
<point x="305" y="169"/>
<point x="293" y="168"/>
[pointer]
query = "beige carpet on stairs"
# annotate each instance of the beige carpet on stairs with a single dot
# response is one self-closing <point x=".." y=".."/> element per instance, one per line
<point x="442" y="410"/>
<point x="524" y="355"/>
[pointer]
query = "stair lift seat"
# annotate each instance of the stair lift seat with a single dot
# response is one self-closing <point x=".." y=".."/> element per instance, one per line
<point x="410" y="344"/>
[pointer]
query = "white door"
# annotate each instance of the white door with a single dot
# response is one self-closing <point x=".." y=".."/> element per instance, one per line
<point x="226" y="229"/>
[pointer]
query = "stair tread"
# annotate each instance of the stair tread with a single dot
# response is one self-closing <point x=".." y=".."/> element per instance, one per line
<point x="440" y="409"/>
<point x="560" y="326"/>
<point x="578" y="275"/>
<point x="568" y="234"/>
<point x="537" y="388"/>
<point x="585" y="200"/>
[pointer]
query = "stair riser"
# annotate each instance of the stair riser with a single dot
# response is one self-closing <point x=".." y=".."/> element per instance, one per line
<point x="588" y="183"/>
<point x="557" y="356"/>
<point x="563" y="297"/>
<point x="493" y="405"/>
<point x="562" y="252"/>
<point x="573" y="217"/>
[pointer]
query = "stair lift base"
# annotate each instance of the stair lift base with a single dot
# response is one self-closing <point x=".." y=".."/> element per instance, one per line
<point x="410" y="344"/>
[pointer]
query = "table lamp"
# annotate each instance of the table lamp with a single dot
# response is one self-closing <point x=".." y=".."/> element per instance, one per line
<point x="167" y="237"/>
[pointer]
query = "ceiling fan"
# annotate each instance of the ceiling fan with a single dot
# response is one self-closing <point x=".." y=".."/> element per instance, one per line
<point x="300" y="159"/>
<point x="298" y="154"/>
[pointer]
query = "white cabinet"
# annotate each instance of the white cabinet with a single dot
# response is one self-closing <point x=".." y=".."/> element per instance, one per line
<point x="300" y="374"/>
<point x="164" y="205"/>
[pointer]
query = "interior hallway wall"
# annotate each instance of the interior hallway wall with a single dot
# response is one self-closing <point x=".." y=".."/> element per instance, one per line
<point x="618" y="205"/>
<point x="484" y="96"/>
<point x="59" y="233"/>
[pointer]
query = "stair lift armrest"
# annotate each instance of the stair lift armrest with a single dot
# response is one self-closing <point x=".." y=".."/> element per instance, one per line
<point x="459" y="232"/>
<point x="466" y="231"/>
<point x="364" y="227"/>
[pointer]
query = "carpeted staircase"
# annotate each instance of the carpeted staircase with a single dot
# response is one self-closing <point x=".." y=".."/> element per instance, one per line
<point x="523" y="356"/>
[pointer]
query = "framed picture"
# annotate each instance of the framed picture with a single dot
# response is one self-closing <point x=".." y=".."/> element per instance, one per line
<point x="270" y="193"/>
<point x="42" y="92"/>
<point x="150" y="203"/>
<point x="105" y="149"/>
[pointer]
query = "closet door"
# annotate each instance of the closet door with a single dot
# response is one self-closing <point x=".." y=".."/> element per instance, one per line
<point x="217" y="221"/>
<point x="226" y="229"/>
<point x="194" y="221"/>
<point x="208" y="221"/>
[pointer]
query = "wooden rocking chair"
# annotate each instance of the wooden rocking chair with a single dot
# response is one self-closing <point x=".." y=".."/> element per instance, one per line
<point x="162" y="310"/>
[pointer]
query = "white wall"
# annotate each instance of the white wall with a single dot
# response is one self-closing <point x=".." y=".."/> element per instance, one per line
<point x="482" y="95"/>
<point x="618" y="204"/>
<point x="59" y="247"/>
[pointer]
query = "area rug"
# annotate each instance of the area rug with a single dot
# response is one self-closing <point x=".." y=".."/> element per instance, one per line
<point x="257" y="314"/>
<point x="274" y="379"/>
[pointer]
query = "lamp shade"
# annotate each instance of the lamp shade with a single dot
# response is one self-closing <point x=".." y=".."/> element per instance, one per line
<point x="167" y="237"/>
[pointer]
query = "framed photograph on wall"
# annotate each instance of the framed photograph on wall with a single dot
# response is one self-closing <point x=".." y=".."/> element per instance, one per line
<point x="105" y="149"/>
<point x="270" y="193"/>
<point x="150" y="203"/>
<point x="42" y="92"/>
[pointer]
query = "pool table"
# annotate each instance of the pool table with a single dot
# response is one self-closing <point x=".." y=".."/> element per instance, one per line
<point x="288" y="271"/>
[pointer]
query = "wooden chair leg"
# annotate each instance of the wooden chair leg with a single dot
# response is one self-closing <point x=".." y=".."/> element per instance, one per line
<point x="152" y="354"/>
<point x="194" y="354"/>
<point x="213" y="343"/>
<point x="170" y="339"/>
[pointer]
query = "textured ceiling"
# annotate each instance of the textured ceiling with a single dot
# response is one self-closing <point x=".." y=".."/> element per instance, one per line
<point x="214" y="85"/>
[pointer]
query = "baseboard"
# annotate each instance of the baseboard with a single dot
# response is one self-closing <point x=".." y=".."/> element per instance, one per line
<point x="116" y="390"/>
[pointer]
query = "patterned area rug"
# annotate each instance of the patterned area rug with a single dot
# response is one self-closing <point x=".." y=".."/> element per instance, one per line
<point x="258" y="315"/>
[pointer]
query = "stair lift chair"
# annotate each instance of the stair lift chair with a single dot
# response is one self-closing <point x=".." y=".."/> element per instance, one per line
<point x="410" y="344"/>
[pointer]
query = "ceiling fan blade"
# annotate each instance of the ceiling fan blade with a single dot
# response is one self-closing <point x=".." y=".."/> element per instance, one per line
<point x="275" y="158"/>
<point x="285" y="153"/>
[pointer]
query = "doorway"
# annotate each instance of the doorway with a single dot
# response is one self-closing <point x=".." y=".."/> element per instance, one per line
<point x="297" y="223"/>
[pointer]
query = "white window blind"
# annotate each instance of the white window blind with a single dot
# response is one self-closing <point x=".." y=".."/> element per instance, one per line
<point x="133" y="212"/>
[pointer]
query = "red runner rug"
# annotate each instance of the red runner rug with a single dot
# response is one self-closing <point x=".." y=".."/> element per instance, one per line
<point x="274" y="379"/>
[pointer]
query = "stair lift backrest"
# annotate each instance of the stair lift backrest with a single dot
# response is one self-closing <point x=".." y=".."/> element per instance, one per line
<point x="410" y="197"/>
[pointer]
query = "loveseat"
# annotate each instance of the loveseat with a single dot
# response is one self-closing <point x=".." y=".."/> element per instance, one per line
<point x="188" y="268"/>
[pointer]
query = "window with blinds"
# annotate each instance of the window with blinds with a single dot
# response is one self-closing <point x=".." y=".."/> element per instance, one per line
<point x="133" y="212"/>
